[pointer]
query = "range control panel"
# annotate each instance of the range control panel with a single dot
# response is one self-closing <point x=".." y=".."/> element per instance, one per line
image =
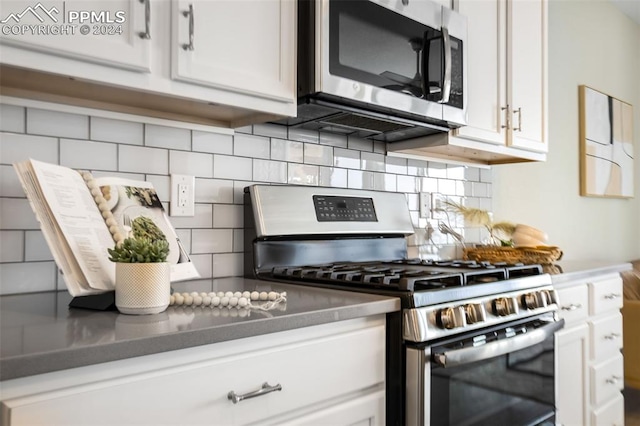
<point x="344" y="209"/>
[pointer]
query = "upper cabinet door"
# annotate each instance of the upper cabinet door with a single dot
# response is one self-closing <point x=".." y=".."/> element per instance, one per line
<point x="110" y="32"/>
<point x="486" y="77"/>
<point x="527" y="73"/>
<point x="245" y="46"/>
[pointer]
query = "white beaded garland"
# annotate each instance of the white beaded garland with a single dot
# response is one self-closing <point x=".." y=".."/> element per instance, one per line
<point x="230" y="300"/>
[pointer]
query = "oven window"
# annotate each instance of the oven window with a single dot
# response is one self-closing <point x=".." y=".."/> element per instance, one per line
<point x="512" y="389"/>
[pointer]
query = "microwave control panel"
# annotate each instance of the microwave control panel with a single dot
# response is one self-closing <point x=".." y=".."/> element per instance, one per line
<point x="344" y="209"/>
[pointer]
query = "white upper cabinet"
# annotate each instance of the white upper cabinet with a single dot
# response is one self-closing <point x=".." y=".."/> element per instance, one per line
<point x="220" y="62"/>
<point x="239" y="45"/>
<point x="110" y="32"/>
<point x="507" y="79"/>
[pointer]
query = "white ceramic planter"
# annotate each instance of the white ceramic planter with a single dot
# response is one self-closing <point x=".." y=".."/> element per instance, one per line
<point x="142" y="288"/>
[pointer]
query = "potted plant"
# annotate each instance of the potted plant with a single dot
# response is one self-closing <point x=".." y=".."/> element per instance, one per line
<point x="143" y="283"/>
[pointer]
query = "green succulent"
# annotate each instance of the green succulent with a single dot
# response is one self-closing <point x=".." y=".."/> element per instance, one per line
<point x="140" y="250"/>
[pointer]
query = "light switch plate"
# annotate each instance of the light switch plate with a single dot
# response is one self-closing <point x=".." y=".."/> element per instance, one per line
<point x="182" y="195"/>
<point x="425" y="205"/>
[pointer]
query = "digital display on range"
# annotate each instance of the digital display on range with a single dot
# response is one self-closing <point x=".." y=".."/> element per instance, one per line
<point x="331" y="208"/>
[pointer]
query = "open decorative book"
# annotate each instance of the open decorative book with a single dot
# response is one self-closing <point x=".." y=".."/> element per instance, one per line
<point x="82" y="216"/>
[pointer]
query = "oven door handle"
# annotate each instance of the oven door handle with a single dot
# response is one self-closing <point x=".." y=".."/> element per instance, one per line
<point x="500" y="347"/>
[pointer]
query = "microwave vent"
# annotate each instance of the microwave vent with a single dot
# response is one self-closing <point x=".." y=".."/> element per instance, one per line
<point x="356" y="121"/>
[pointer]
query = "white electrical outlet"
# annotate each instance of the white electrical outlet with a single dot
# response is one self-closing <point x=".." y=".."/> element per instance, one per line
<point x="425" y="204"/>
<point x="182" y="195"/>
<point x="437" y="201"/>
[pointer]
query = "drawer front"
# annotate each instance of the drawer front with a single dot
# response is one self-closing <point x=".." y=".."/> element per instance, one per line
<point x="605" y="295"/>
<point x="309" y="372"/>
<point x="607" y="380"/>
<point x="610" y="414"/>
<point x="606" y="337"/>
<point x="574" y="303"/>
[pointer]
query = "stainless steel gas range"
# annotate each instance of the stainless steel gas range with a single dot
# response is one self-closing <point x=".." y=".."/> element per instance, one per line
<point x="473" y="344"/>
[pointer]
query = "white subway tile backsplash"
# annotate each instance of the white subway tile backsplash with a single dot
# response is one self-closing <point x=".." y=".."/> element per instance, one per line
<point x="284" y="150"/>
<point x="396" y="165"/>
<point x="269" y="171"/>
<point x="214" y="191"/>
<point x="372" y="161"/>
<point x="167" y="137"/>
<point x="332" y="176"/>
<point x="203" y="218"/>
<point x="54" y="123"/>
<point x="79" y="154"/>
<point x="214" y="143"/>
<point x="143" y="160"/>
<point x="227" y="167"/>
<point x="228" y="216"/>
<point x="251" y="146"/>
<point x="223" y="164"/>
<point x="16" y="147"/>
<point x="36" y="247"/>
<point x="346" y="158"/>
<point x="228" y="265"/>
<point x="191" y="163"/>
<point x="212" y="241"/>
<point x="303" y="174"/>
<point x="27" y="277"/>
<point x="203" y="264"/>
<point x="238" y="240"/>
<point x="10" y="185"/>
<point x="11" y="246"/>
<point x="320" y="155"/>
<point x="120" y="131"/>
<point x="12" y="118"/>
<point x="359" y="144"/>
<point x="16" y="213"/>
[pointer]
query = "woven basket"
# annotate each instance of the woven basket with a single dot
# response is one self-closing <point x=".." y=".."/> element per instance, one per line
<point x="528" y="255"/>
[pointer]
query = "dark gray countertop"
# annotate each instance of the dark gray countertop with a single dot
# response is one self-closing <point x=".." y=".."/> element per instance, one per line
<point x="39" y="333"/>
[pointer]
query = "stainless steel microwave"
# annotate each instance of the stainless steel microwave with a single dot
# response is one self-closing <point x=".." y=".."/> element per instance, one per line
<point x="386" y="70"/>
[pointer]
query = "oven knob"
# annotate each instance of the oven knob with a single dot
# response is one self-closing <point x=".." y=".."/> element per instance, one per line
<point x="503" y="306"/>
<point x="537" y="299"/>
<point x="474" y="313"/>
<point x="552" y="296"/>
<point x="451" y="317"/>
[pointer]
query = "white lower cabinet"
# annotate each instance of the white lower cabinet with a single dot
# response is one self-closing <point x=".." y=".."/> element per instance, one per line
<point x="330" y="374"/>
<point x="589" y="362"/>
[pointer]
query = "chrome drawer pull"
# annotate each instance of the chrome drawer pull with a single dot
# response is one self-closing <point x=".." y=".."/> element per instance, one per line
<point x="189" y="14"/>
<point x="612" y="336"/>
<point x="612" y="296"/>
<point x="572" y="307"/>
<point x="265" y="389"/>
<point x="146" y="35"/>
<point x="613" y="379"/>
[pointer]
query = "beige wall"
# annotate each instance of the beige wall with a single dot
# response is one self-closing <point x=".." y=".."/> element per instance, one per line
<point x="591" y="43"/>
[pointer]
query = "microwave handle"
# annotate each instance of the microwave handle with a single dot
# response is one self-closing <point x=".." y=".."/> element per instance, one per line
<point x="446" y="78"/>
<point x="464" y="356"/>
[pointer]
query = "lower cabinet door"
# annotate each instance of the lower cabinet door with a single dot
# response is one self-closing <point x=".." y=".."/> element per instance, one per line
<point x="572" y="381"/>
<point x="301" y="376"/>
<point x="609" y="414"/>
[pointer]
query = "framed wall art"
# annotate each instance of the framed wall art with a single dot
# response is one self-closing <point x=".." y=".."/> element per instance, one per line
<point x="606" y="145"/>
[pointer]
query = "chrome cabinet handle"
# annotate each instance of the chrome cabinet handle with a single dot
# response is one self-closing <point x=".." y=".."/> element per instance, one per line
<point x="613" y="379"/>
<point x="572" y="307"/>
<point x="265" y="389"/>
<point x="189" y="13"/>
<point x="146" y="35"/>
<point x="519" y="112"/>
<point x="612" y="336"/>
<point x="506" y="126"/>
<point x="612" y="296"/>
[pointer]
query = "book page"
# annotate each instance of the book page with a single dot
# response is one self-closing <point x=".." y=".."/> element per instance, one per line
<point x="80" y="234"/>
<point x="124" y="201"/>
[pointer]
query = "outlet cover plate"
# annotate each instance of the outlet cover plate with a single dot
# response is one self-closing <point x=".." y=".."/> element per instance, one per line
<point x="182" y="195"/>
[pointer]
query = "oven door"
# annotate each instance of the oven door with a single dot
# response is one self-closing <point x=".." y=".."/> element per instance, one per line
<point x="398" y="55"/>
<point x="498" y="376"/>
